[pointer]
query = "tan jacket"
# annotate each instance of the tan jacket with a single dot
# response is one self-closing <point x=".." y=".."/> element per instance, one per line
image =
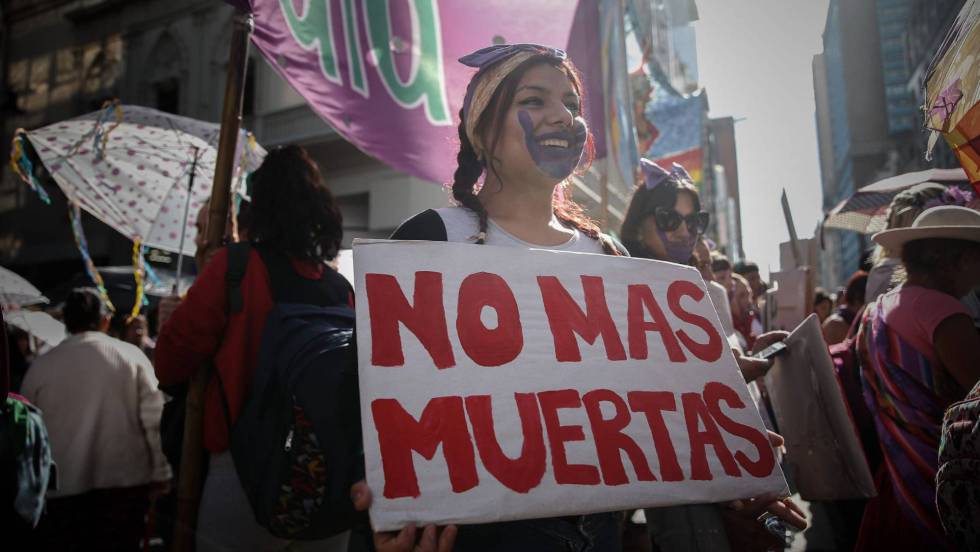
<point x="99" y="400"/>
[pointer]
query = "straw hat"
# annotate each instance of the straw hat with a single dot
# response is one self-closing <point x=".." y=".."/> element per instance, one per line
<point x="948" y="221"/>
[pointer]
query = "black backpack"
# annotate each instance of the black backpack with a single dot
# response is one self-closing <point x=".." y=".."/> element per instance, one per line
<point x="297" y="442"/>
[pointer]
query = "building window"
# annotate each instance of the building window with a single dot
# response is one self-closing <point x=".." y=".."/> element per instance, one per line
<point x="168" y="70"/>
<point x="167" y="95"/>
<point x="896" y="90"/>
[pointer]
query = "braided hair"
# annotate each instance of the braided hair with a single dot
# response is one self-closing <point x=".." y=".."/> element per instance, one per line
<point x="469" y="167"/>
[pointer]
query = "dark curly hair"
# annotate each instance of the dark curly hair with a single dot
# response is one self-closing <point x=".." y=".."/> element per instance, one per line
<point x="643" y="204"/>
<point x="292" y="209"/>
<point x="855" y="288"/>
<point x="936" y="257"/>
<point x="469" y="167"/>
<point x="84" y="310"/>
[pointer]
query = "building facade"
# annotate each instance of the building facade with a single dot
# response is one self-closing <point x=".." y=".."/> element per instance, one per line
<point x="852" y="119"/>
<point x="65" y="58"/>
<point x="900" y="105"/>
<point x="868" y="88"/>
<point x="726" y="206"/>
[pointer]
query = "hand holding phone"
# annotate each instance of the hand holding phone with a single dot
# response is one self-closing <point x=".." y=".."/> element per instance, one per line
<point x="771" y="351"/>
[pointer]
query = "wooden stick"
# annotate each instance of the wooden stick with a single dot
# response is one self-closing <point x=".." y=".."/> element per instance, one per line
<point x="190" y="479"/>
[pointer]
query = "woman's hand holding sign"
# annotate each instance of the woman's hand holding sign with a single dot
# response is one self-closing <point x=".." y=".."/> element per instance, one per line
<point x="433" y="539"/>
<point x="742" y="518"/>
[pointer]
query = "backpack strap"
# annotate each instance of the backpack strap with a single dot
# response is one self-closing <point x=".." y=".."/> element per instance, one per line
<point x="237" y="265"/>
<point x="856" y="323"/>
<point x="289" y="287"/>
<point x="224" y="398"/>
<point x="4" y="363"/>
<point x="238" y="253"/>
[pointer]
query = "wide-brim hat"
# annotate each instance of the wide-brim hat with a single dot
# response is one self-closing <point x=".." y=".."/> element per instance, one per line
<point x="948" y="221"/>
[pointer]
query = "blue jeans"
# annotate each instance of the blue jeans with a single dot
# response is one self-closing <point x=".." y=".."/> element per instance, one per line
<point x="690" y="528"/>
<point x="592" y="533"/>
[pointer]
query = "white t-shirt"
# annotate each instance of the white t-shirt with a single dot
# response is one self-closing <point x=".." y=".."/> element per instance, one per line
<point x="719" y="300"/>
<point x="462" y="225"/>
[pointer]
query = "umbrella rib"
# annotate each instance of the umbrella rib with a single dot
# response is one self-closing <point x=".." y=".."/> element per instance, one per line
<point x="111" y="206"/>
<point x="186" y="169"/>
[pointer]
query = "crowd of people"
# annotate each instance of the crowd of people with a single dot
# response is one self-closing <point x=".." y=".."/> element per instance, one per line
<point x="522" y="134"/>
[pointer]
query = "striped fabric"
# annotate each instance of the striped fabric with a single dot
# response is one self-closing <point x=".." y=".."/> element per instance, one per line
<point x="865" y="210"/>
<point x="907" y="395"/>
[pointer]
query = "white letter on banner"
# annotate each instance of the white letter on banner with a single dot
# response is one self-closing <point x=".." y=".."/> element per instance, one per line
<point x="426" y="81"/>
<point x="313" y="31"/>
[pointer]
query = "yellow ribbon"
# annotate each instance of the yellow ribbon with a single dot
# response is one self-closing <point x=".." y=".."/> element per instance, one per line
<point x="138" y="276"/>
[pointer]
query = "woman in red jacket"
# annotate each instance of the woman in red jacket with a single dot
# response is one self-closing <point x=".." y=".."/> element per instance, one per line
<point x="297" y="227"/>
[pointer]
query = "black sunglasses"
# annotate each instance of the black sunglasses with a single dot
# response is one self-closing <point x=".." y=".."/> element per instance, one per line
<point x="669" y="220"/>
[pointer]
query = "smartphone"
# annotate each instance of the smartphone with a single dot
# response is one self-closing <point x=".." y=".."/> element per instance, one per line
<point x="771" y="351"/>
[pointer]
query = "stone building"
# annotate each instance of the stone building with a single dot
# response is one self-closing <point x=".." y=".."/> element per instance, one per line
<point x="65" y="58"/>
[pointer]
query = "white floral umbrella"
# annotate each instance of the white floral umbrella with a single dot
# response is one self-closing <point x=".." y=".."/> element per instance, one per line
<point x="129" y="166"/>
<point x="16" y="291"/>
<point x="41" y="325"/>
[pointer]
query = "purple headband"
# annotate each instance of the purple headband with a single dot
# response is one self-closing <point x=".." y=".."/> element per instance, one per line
<point x="485" y="59"/>
<point x="654" y="174"/>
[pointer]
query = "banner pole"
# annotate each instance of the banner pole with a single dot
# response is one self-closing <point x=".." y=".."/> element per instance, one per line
<point x="190" y="478"/>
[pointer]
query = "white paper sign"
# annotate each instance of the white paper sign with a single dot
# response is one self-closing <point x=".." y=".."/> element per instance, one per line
<point x="501" y="383"/>
<point x="823" y="449"/>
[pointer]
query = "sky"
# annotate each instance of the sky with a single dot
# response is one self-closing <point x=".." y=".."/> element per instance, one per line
<point x="754" y="61"/>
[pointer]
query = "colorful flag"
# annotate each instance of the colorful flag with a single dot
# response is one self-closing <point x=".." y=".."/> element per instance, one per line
<point x="670" y="126"/>
<point x="622" y="160"/>
<point x="384" y="75"/>
<point x="680" y="122"/>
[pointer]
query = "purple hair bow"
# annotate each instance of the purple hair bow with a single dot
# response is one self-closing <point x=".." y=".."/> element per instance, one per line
<point x="654" y="174"/>
<point x="485" y="57"/>
<point x="952" y="196"/>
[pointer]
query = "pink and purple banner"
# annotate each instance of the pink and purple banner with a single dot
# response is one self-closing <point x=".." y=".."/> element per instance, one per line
<point x="385" y="75"/>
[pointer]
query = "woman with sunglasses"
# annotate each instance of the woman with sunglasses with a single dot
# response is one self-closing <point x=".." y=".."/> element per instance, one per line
<point x="664" y="219"/>
<point x="664" y="222"/>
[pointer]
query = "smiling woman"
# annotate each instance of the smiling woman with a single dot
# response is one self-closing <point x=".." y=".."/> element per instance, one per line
<point x="521" y="132"/>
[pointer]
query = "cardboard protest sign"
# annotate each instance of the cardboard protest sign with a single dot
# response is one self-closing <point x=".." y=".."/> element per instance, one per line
<point x="501" y="383"/>
<point x="823" y="450"/>
<point x="793" y="297"/>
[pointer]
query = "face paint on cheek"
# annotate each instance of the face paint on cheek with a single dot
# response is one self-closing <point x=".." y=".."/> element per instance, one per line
<point x="556" y="161"/>
<point x="677" y="252"/>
